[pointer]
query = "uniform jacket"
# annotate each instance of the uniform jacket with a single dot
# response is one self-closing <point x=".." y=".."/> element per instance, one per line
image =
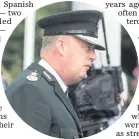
<point x="38" y="99"/>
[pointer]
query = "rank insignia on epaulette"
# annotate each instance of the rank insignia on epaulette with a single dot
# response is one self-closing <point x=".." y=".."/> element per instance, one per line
<point x="32" y="77"/>
<point x="47" y="76"/>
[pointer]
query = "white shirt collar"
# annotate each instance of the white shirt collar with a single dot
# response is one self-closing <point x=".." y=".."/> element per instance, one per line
<point x="44" y="64"/>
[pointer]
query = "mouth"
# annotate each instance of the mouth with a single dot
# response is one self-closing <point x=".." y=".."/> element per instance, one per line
<point x="88" y="66"/>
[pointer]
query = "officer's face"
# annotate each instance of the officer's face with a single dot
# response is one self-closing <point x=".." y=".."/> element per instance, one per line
<point x="80" y="56"/>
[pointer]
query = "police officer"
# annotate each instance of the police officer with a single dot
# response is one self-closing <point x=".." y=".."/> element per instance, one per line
<point x="38" y="95"/>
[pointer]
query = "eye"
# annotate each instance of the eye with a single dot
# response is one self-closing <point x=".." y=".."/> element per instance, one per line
<point x="90" y="48"/>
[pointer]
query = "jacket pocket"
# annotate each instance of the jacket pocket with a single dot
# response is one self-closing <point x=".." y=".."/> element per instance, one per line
<point x="68" y="133"/>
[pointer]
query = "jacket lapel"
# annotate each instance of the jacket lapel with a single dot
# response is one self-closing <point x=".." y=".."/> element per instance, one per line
<point x="58" y="91"/>
<point x="65" y="100"/>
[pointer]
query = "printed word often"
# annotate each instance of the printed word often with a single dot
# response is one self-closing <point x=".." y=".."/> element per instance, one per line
<point x="127" y="13"/>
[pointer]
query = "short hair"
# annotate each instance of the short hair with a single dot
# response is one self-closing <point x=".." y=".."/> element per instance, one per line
<point x="48" y="40"/>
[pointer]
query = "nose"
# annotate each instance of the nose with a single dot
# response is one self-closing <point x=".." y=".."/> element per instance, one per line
<point x="92" y="55"/>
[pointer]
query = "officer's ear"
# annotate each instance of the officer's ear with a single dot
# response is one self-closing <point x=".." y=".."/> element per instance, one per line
<point x="61" y="46"/>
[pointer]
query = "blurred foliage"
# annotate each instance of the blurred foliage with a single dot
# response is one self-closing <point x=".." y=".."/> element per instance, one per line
<point x="13" y="54"/>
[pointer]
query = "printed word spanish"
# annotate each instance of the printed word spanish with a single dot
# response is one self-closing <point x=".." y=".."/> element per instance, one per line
<point x="10" y="5"/>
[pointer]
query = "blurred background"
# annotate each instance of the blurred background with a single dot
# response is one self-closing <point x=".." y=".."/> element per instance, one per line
<point x="13" y="58"/>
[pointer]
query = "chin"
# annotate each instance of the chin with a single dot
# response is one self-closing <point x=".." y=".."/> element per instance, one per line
<point x="77" y="81"/>
<point x="83" y="76"/>
<point x="80" y="77"/>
